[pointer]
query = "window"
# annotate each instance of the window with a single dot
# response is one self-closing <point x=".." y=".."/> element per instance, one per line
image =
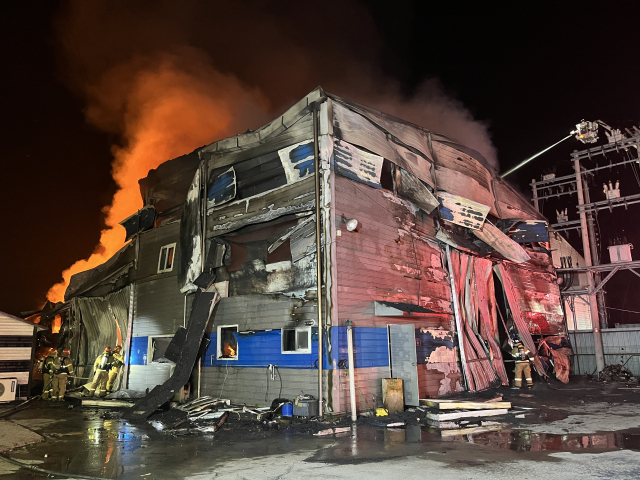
<point x="296" y="340"/>
<point x="156" y="348"/>
<point x="167" y="253"/>
<point x="227" y="342"/>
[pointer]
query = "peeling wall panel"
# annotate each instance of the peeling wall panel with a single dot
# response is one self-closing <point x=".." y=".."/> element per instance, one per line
<point x="357" y="130"/>
<point x="294" y="198"/>
<point x="530" y="231"/>
<point x="411" y="188"/>
<point x="459" y="174"/>
<point x="438" y="379"/>
<point x="357" y="164"/>
<point x="411" y="135"/>
<point x="538" y="297"/>
<point x="462" y="211"/>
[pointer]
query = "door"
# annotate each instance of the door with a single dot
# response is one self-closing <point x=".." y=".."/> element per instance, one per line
<point x="402" y="353"/>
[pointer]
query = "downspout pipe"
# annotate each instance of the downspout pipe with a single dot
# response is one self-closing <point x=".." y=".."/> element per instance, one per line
<point x="204" y="172"/>
<point x="352" y="380"/>
<point x="316" y="154"/>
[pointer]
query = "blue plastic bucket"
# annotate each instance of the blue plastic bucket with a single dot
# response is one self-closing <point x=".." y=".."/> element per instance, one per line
<point x="287" y="410"/>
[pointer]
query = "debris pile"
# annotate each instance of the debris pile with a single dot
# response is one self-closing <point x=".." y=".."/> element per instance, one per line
<point x="459" y="417"/>
<point x="616" y="373"/>
<point x="207" y="415"/>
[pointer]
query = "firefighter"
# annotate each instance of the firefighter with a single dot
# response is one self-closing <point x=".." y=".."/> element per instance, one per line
<point x="48" y="370"/>
<point x="116" y="363"/>
<point x="521" y="355"/>
<point x="101" y="373"/>
<point x="63" y="368"/>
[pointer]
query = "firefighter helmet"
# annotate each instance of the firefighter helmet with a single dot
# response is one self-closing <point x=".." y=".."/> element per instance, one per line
<point x="117" y="348"/>
<point x="107" y="350"/>
<point x="53" y="351"/>
<point x="66" y="352"/>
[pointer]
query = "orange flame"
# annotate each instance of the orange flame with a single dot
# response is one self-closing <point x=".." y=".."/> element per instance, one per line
<point x="163" y="111"/>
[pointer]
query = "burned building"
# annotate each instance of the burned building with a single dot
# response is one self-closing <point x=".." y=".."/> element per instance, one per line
<point x="424" y="249"/>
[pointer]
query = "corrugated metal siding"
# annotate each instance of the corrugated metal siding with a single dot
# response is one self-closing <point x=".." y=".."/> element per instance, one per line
<point x="539" y="294"/>
<point x="253" y="386"/>
<point x="142" y="377"/>
<point x="582" y="314"/>
<point x="11" y="327"/>
<point x="619" y="347"/>
<point x="159" y="307"/>
<point x="150" y="244"/>
<point x="382" y="260"/>
<point x="15" y="353"/>
<point x="98" y="313"/>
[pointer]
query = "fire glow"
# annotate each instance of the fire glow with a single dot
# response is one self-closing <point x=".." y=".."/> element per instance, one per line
<point x="167" y="110"/>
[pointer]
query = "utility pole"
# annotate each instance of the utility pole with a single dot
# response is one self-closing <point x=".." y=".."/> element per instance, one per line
<point x="595" y="259"/>
<point x="593" y="306"/>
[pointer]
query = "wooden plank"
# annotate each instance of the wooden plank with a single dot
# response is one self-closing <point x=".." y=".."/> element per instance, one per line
<point x="453" y="405"/>
<point x="452" y="432"/>
<point x="393" y="395"/>
<point x="467" y="414"/>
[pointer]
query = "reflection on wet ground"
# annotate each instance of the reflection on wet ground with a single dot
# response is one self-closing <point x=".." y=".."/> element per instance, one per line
<point x="367" y="444"/>
<point x="97" y="443"/>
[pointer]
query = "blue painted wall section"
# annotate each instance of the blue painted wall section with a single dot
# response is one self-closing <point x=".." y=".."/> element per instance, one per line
<point x="223" y="188"/>
<point x="302" y="158"/>
<point x="370" y="346"/>
<point x="139" y="347"/>
<point x="426" y="344"/>
<point x="264" y="348"/>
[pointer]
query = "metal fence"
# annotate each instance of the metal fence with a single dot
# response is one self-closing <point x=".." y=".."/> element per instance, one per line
<point x="621" y="346"/>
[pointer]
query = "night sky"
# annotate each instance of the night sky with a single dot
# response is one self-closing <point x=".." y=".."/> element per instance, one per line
<point x="529" y="71"/>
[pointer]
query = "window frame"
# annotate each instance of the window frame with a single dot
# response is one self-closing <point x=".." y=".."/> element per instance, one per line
<point x="219" y="346"/>
<point x="150" y="339"/>
<point x="297" y="351"/>
<point x="168" y="247"/>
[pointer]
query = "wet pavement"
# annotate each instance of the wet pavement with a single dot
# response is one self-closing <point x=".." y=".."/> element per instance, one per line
<point x="594" y="429"/>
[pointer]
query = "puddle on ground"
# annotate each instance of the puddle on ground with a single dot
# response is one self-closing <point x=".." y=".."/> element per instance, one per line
<point x="368" y="444"/>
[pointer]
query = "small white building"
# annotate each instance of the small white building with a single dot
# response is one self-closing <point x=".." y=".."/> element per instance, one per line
<point x="17" y="345"/>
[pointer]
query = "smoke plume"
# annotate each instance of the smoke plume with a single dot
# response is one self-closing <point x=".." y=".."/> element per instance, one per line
<point x="167" y="77"/>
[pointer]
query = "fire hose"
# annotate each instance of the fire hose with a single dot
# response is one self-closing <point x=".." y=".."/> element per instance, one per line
<point x="49" y="473"/>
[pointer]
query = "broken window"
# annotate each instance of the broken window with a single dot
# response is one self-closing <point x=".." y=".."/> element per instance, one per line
<point x="157" y="348"/>
<point x="296" y="340"/>
<point x="165" y="262"/>
<point x="228" y="342"/>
